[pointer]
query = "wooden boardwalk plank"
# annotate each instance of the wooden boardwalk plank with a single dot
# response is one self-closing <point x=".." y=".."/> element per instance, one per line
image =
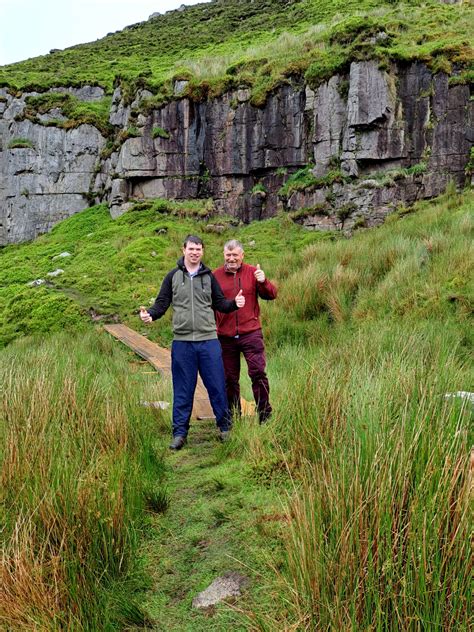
<point x="157" y="356"/>
<point x="161" y="359"/>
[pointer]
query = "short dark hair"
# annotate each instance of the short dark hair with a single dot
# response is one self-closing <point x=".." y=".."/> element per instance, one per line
<point x="194" y="240"/>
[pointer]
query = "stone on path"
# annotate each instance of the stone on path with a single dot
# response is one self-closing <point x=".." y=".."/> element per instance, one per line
<point x="160" y="405"/>
<point x="228" y="585"/>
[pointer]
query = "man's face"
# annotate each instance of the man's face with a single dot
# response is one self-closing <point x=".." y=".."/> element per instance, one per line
<point x="233" y="258"/>
<point x="192" y="254"/>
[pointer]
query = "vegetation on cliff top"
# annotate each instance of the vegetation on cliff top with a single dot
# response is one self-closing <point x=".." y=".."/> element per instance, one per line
<point x="259" y="44"/>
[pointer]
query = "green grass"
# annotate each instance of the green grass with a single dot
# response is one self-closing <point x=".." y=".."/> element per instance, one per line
<point x="20" y="143"/>
<point x="416" y="266"/>
<point x="367" y="456"/>
<point x="381" y="331"/>
<point x="159" y="132"/>
<point x="77" y="112"/>
<point x="78" y="465"/>
<point x="379" y="519"/>
<point x="117" y="265"/>
<point x="230" y="44"/>
<point x="223" y="516"/>
<point x="305" y="180"/>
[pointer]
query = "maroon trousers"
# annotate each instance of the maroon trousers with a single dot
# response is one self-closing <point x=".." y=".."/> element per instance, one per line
<point x="251" y="346"/>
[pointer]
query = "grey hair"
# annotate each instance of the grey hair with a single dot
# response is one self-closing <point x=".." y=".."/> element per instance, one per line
<point x="233" y="243"/>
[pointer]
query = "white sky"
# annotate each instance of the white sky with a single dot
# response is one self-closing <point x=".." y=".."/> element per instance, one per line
<point x="29" y="28"/>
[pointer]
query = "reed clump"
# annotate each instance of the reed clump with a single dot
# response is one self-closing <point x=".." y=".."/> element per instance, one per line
<point x="77" y="463"/>
<point x="379" y="452"/>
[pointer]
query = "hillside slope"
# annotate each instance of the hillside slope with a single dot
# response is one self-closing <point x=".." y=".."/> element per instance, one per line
<point x="353" y="501"/>
<point x="113" y="266"/>
<point x="338" y="112"/>
<point x="231" y="39"/>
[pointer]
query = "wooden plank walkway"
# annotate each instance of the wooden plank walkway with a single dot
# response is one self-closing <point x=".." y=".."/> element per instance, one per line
<point x="160" y="358"/>
<point x="157" y="356"/>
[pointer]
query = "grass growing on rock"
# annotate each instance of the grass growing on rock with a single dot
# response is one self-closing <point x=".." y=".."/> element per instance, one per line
<point x="76" y="112"/>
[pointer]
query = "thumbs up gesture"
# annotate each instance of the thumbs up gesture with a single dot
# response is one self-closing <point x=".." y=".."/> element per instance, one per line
<point x="240" y="299"/>
<point x="144" y="315"/>
<point x="259" y="274"/>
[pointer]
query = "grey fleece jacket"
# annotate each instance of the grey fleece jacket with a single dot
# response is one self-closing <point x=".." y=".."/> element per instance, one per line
<point x="193" y="300"/>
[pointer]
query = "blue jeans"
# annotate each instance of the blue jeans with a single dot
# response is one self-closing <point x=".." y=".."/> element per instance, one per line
<point x="187" y="359"/>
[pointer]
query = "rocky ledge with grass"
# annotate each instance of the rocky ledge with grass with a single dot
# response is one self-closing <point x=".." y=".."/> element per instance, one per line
<point x="343" y="155"/>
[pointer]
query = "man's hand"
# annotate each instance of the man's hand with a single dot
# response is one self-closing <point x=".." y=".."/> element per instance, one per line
<point x="240" y="299"/>
<point x="144" y="315"/>
<point x="259" y="274"/>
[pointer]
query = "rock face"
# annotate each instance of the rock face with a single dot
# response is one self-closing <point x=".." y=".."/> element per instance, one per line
<point x="370" y="139"/>
<point x="45" y="172"/>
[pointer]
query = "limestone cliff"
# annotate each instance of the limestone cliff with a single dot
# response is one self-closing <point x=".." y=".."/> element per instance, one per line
<point x="368" y="141"/>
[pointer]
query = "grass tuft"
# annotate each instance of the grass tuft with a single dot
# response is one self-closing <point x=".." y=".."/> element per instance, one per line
<point x="73" y="476"/>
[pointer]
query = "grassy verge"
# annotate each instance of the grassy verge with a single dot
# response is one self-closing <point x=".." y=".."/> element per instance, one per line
<point x="78" y="471"/>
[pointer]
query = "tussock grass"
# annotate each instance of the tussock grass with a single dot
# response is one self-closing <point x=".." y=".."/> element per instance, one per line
<point x="379" y="517"/>
<point x="416" y="266"/>
<point x="379" y="520"/>
<point x="366" y="338"/>
<point x="287" y="47"/>
<point x="78" y="464"/>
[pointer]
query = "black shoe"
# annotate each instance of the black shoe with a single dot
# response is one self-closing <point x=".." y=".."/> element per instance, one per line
<point x="177" y="443"/>
<point x="264" y="418"/>
<point x="225" y="435"/>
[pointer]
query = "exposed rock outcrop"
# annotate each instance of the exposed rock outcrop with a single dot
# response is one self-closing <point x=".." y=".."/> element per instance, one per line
<point x="369" y="140"/>
<point x="45" y="172"/>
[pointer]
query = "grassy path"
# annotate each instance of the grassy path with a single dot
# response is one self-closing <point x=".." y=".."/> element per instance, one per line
<point x="224" y="515"/>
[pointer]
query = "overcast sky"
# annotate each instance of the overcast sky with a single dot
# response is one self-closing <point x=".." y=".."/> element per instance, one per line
<point x="29" y="28"/>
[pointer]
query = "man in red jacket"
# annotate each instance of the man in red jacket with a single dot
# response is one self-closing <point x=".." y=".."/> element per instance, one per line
<point x="241" y="332"/>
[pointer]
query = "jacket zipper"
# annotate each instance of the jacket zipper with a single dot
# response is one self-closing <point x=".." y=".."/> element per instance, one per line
<point x="191" y="279"/>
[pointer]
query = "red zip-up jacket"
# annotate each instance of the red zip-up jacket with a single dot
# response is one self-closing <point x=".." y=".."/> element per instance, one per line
<point x="247" y="318"/>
